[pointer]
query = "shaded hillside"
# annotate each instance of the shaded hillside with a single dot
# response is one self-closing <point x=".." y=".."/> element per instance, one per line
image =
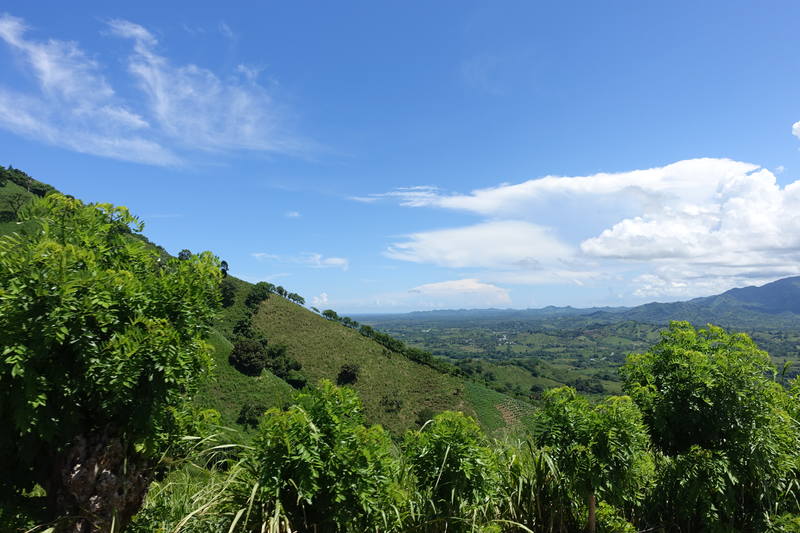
<point x="395" y="390"/>
<point x="777" y="297"/>
<point x="776" y="304"/>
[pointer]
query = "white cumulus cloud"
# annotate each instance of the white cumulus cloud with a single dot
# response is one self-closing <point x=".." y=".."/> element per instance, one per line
<point x="694" y="227"/>
<point x="509" y="243"/>
<point x="322" y="299"/>
<point x="463" y="290"/>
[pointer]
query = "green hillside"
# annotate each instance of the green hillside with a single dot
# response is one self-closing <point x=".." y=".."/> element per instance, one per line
<point x="228" y="390"/>
<point x="393" y="388"/>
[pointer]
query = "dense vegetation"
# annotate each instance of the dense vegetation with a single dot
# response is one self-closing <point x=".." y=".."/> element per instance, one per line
<point x="102" y="343"/>
<point x="124" y="371"/>
<point x="707" y="441"/>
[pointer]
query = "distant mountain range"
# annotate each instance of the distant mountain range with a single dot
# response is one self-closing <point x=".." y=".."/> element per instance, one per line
<point x="774" y="305"/>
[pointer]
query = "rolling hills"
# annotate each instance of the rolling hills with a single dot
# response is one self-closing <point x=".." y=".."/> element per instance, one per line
<point x="524" y="351"/>
<point x="775" y="304"/>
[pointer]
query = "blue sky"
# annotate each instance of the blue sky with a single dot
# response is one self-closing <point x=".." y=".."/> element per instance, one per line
<point x="388" y="156"/>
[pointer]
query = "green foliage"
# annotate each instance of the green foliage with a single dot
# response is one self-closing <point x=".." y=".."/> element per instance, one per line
<point x="602" y="449"/>
<point x="785" y="523"/>
<point x="227" y="390"/>
<point x="24" y="181"/>
<point x="456" y="471"/>
<point x="323" y="346"/>
<point x="319" y="466"/>
<point x="96" y="332"/>
<point x="228" y="291"/>
<point x="250" y="415"/>
<point x="536" y="493"/>
<point x="296" y="298"/>
<point x="249" y="356"/>
<point x="391" y="403"/>
<point x="258" y="294"/>
<point x="724" y="425"/>
<point x="697" y="386"/>
<point x="424" y="414"/>
<point x="609" y="520"/>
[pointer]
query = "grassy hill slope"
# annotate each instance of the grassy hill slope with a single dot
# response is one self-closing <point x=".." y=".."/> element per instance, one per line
<point x="393" y="388"/>
<point x="228" y="390"/>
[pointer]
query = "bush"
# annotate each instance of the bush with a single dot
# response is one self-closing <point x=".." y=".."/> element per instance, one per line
<point x="296" y="379"/>
<point x="348" y="374"/>
<point x="102" y="339"/>
<point x="250" y="415"/>
<point x="249" y="356"/>
<point x="391" y="403"/>
<point x="711" y="408"/>
<point x="321" y="469"/>
<point x="423" y="415"/>
<point x="457" y="474"/>
<point x="228" y="290"/>
<point x="258" y="294"/>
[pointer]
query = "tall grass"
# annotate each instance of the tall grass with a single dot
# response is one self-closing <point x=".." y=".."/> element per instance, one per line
<point x="303" y="474"/>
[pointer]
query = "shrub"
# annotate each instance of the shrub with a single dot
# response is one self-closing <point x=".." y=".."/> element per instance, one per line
<point x="457" y="474"/>
<point x="391" y="403"/>
<point x="710" y="407"/>
<point x="319" y="467"/>
<point x="228" y="290"/>
<point x="536" y="493"/>
<point x="250" y="415"/>
<point x="249" y="356"/>
<point x="348" y="374"/>
<point x="101" y="339"/>
<point x="258" y="294"/>
<point x="602" y="449"/>
<point x="423" y="415"/>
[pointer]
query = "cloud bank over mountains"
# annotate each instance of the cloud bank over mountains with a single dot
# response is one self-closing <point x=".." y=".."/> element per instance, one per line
<point x="694" y="226"/>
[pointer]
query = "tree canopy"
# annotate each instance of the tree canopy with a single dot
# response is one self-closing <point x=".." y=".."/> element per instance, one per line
<point x="101" y="337"/>
<point x="713" y="408"/>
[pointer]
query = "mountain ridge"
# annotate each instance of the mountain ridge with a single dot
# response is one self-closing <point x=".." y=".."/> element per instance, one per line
<point x="777" y="302"/>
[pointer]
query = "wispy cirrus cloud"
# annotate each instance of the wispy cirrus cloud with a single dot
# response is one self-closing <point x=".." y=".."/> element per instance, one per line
<point x="182" y="108"/>
<point x="74" y="107"/>
<point x="196" y="108"/>
<point x="310" y="259"/>
<point x="417" y="196"/>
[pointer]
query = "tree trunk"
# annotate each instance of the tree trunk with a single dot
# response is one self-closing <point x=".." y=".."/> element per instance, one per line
<point x="591" y="525"/>
<point x="97" y="484"/>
